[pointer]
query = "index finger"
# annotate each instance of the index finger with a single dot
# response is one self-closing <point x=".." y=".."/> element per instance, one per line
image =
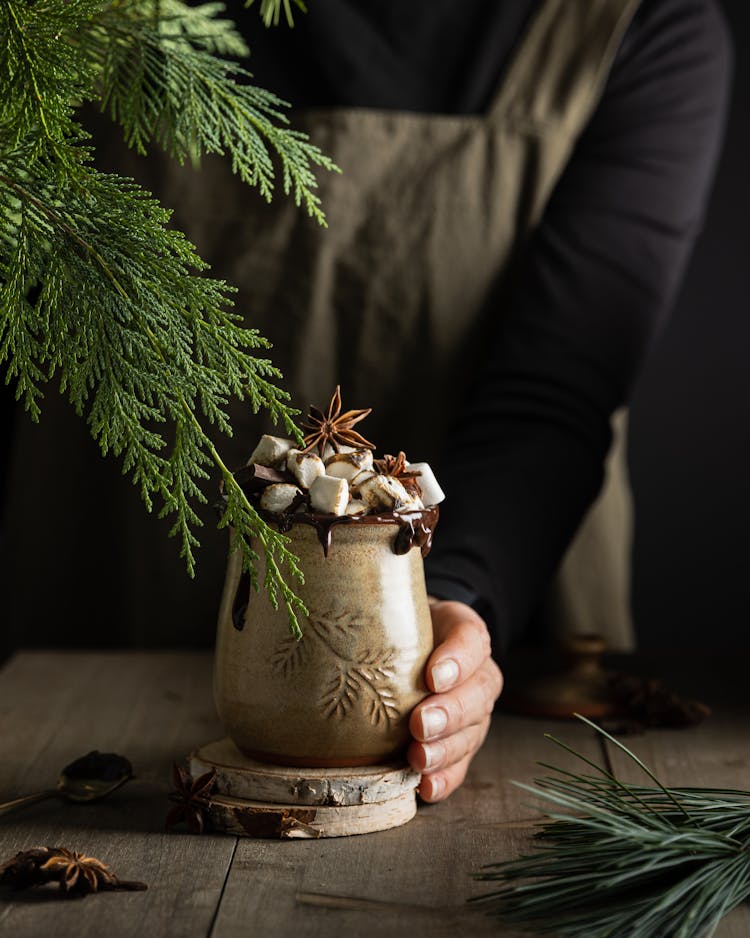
<point x="463" y="643"/>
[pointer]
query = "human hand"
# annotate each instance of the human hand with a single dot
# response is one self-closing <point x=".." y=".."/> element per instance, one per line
<point x="451" y="723"/>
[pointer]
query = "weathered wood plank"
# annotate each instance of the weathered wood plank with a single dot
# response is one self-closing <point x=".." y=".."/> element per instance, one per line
<point x="153" y="708"/>
<point x="411" y="881"/>
<point x="715" y="754"/>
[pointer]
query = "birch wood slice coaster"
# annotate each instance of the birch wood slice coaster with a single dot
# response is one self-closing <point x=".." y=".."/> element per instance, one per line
<point x="259" y="799"/>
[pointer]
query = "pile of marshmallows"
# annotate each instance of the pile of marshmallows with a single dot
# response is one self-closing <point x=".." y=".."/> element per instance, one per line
<point x="344" y="483"/>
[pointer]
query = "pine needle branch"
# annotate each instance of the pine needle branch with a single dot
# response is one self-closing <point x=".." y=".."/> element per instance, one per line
<point x="627" y="861"/>
<point x="124" y="372"/>
<point x="240" y="515"/>
<point x="164" y="82"/>
<point x="96" y="289"/>
<point x="43" y="79"/>
<point x="270" y="10"/>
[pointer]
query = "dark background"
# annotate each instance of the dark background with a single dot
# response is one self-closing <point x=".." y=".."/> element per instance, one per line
<point x="690" y="422"/>
<point x="690" y="425"/>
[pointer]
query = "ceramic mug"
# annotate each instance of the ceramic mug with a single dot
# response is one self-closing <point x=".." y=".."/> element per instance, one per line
<point x="342" y="694"/>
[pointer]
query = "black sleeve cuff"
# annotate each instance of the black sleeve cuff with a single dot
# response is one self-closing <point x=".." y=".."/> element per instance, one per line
<point x="443" y="587"/>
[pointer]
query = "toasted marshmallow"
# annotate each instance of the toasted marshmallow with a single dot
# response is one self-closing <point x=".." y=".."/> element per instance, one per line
<point x="271" y="451"/>
<point x="355" y="507"/>
<point x="359" y="478"/>
<point x="305" y="467"/>
<point x="383" y="492"/>
<point x="432" y="494"/>
<point x="348" y="465"/>
<point x="329" y="451"/>
<point x="329" y="496"/>
<point x="413" y="503"/>
<point x="279" y="497"/>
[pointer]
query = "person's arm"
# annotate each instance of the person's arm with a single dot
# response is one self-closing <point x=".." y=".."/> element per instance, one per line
<point x="597" y="280"/>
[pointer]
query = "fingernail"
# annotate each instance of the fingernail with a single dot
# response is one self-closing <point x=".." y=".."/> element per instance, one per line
<point x="434" y="721"/>
<point x="433" y="755"/>
<point x="437" y="787"/>
<point x="444" y="674"/>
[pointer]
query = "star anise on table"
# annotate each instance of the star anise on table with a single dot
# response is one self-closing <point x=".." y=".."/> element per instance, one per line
<point x="395" y="466"/>
<point x="77" y="874"/>
<point x="192" y="797"/>
<point x="334" y="428"/>
<point x="72" y="869"/>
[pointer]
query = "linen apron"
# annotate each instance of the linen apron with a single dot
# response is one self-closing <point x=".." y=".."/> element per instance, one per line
<point x="390" y="301"/>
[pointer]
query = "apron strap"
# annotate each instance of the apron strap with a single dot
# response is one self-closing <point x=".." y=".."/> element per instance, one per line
<point x="549" y="80"/>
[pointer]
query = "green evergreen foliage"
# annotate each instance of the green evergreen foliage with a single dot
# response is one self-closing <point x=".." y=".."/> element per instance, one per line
<point x="632" y="861"/>
<point x="163" y="80"/>
<point x="270" y="10"/>
<point x="95" y="289"/>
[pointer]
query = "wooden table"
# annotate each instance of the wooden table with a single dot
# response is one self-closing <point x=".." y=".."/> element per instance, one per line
<point x="412" y="881"/>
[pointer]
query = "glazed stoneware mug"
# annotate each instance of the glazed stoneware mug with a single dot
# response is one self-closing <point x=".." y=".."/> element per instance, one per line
<point x="342" y="694"/>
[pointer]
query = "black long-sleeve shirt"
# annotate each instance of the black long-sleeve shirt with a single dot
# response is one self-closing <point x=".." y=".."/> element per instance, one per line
<point x="599" y="274"/>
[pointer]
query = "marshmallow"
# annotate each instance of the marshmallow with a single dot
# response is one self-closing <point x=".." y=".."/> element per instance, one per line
<point x="383" y="492"/>
<point x="355" y="507"/>
<point x="305" y="467"/>
<point x="361" y="477"/>
<point x="271" y="451"/>
<point x="279" y="497"/>
<point x="413" y="503"/>
<point x="432" y="494"/>
<point x="329" y="496"/>
<point x="329" y="451"/>
<point x="348" y="465"/>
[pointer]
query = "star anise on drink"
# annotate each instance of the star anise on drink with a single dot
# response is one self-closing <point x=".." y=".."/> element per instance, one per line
<point x="334" y="428"/>
<point x="395" y="466"/>
<point x="192" y="797"/>
<point x="77" y="874"/>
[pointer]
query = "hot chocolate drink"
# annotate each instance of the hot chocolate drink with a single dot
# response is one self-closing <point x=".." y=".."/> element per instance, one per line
<point x="342" y="694"/>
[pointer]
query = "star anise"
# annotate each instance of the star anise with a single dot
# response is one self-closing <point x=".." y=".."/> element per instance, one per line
<point x="334" y="428"/>
<point x="395" y="466"/>
<point x="192" y="797"/>
<point x="75" y="870"/>
<point x="76" y="873"/>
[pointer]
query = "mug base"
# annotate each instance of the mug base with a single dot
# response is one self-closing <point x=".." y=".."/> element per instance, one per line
<point x="264" y="799"/>
<point x="316" y="762"/>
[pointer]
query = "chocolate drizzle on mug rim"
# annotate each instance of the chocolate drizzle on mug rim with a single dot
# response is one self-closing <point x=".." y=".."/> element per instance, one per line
<point x="415" y="527"/>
